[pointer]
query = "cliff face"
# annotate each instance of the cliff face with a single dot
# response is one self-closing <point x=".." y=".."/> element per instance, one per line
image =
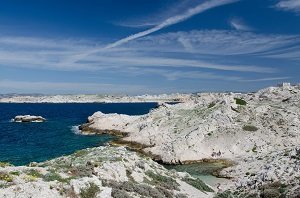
<point x="235" y="126"/>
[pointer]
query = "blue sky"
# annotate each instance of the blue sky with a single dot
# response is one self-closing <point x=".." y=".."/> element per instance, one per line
<point x="149" y="46"/>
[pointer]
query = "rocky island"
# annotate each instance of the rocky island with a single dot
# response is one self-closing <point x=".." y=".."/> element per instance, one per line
<point x="28" y="118"/>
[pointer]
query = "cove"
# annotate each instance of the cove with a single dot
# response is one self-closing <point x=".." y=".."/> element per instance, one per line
<point x="22" y="143"/>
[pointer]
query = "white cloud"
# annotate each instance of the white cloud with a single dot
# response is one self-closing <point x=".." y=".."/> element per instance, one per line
<point x="265" y="79"/>
<point x="172" y="54"/>
<point x="69" y="87"/>
<point x="209" y="4"/>
<point x="219" y="42"/>
<point x="289" y="5"/>
<point x="173" y="20"/>
<point x="239" y="24"/>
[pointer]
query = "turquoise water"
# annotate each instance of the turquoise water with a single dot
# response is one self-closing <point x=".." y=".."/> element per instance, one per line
<point x="203" y="171"/>
<point x="21" y="143"/>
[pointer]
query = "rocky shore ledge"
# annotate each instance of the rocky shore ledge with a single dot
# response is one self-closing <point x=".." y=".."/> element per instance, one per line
<point x="28" y="118"/>
<point x="259" y="131"/>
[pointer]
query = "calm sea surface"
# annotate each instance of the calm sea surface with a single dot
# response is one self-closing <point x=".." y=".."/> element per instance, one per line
<point x="21" y="143"/>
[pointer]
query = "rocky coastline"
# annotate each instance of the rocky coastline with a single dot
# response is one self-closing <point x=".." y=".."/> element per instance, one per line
<point x="237" y="127"/>
<point x="256" y="136"/>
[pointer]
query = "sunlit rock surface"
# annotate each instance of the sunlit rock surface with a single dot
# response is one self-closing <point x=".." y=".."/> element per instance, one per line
<point x="28" y="118"/>
<point x="98" y="172"/>
<point x="243" y="127"/>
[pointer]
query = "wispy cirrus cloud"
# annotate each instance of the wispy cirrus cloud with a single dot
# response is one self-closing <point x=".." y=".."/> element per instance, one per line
<point x="221" y="42"/>
<point x="173" y="20"/>
<point x="206" y="5"/>
<point x="222" y="55"/>
<point x="239" y="24"/>
<point x="289" y="5"/>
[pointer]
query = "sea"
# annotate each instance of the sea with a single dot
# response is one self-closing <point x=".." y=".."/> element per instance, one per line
<point x="22" y="143"/>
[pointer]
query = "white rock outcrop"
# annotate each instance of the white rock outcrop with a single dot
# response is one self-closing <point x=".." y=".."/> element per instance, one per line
<point x="28" y="118"/>
<point x="98" y="172"/>
<point x="234" y="126"/>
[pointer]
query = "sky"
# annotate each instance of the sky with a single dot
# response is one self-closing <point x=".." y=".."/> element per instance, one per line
<point x="147" y="47"/>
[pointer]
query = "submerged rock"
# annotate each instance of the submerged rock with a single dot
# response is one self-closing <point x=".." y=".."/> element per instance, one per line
<point x="28" y="118"/>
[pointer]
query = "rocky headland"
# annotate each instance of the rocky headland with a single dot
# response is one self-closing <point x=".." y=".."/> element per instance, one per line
<point x="259" y="132"/>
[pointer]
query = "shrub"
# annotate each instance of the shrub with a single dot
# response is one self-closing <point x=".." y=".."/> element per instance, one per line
<point x="199" y="184"/>
<point x="240" y="101"/>
<point x="116" y="193"/>
<point x="17" y="173"/>
<point x="270" y="193"/>
<point x="254" y="149"/>
<point x="52" y="177"/>
<point x="163" y="181"/>
<point x="211" y="105"/>
<point x="82" y="171"/>
<point x="250" y="128"/>
<point x="89" y="192"/>
<point x="34" y="173"/>
<point x="5" y="177"/>
<point x="141" y="189"/>
<point x="4" y="164"/>
<point x="225" y="194"/>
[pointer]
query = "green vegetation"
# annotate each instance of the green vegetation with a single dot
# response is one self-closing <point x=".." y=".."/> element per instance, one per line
<point x="198" y="183"/>
<point x="119" y="189"/>
<point x="250" y="128"/>
<point x="89" y="192"/>
<point x="17" y="173"/>
<point x="240" y="101"/>
<point x="275" y="189"/>
<point x="211" y="105"/>
<point x="5" y="177"/>
<point x="254" y="149"/>
<point x="34" y="173"/>
<point x="164" y="181"/>
<point x="4" y="164"/>
<point x="116" y="193"/>
<point x="225" y="194"/>
<point x="80" y="153"/>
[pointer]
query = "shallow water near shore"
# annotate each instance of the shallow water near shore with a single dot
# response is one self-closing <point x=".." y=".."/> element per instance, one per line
<point x="203" y="171"/>
<point x="21" y="143"/>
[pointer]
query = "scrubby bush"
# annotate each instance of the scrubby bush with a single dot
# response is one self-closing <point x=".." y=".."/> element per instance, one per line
<point x="17" y="173"/>
<point x="199" y="184"/>
<point x="82" y="171"/>
<point x="117" y="193"/>
<point x="163" y="181"/>
<point x="34" y="173"/>
<point x="270" y="193"/>
<point x="211" y="105"/>
<point x="225" y="194"/>
<point x="89" y="192"/>
<point x="141" y="189"/>
<point x="240" y="101"/>
<point x="4" y="164"/>
<point x="5" y="177"/>
<point x="250" y="128"/>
